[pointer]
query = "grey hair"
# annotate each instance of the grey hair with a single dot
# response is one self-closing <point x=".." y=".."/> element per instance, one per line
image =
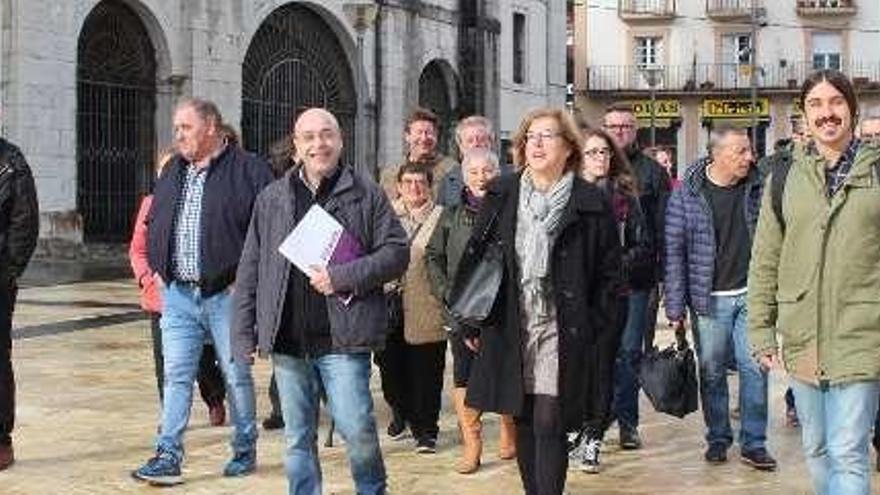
<point x="473" y="121"/>
<point x="722" y="131"/>
<point x="479" y="154"/>
<point x="206" y="109"/>
<point x="872" y="113"/>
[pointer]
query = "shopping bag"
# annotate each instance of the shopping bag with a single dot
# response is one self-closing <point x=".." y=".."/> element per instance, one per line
<point x="669" y="378"/>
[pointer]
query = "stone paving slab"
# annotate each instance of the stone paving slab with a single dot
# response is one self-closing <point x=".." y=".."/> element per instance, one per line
<point x="88" y="409"/>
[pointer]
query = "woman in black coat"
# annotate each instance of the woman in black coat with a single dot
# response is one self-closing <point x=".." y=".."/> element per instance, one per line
<point x="561" y="270"/>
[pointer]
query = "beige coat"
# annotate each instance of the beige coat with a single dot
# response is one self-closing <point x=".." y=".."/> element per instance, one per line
<point x="422" y="315"/>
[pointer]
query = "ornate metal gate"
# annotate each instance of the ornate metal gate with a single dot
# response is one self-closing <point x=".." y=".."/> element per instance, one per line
<point x="434" y="94"/>
<point x="294" y="62"/>
<point x="116" y="104"/>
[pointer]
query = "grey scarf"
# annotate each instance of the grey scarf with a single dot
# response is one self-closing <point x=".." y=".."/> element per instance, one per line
<point x="538" y="220"/>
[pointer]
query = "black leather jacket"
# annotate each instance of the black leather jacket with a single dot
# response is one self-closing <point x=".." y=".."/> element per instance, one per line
<point x="19" y="213"/>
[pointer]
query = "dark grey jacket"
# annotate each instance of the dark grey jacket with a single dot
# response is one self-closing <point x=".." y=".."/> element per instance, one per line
<point x="261" y="282"/>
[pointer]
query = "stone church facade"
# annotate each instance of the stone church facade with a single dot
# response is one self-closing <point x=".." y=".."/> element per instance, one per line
<point x="87" y="87"/>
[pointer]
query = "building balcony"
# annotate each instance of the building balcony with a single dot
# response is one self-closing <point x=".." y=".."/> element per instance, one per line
<point x="817" y="8"/>
<point x="646" y="10"/>
<point x="710" y="78"/>
<point x="732" y="10"/>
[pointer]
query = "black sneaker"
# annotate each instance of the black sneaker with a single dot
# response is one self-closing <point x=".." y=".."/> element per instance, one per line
<point x="716" y="453"/>
<point x="426" y="445"/>
<point x="273" y="422"/>
<point x="629" y="439"/>
<point x="397" y="427"/>
<point x="759" y="459"/>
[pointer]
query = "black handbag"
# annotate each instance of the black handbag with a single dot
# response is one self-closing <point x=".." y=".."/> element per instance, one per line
<point x="669" y="378"/>
<point x="473" y="294"/>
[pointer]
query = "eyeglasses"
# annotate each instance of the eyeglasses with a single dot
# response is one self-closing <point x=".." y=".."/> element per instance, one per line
<point x="619" y="127"/>
<point x="599" y="153"/>
<point x="872" y="137"/>
<point x="534" y="137"/>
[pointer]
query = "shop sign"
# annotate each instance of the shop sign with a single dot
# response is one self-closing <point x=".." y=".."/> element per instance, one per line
<point x="666" y="109"/>
<point x="731" y="108"/>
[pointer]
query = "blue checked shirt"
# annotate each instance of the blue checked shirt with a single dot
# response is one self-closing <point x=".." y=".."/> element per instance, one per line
<point x="188" y="232"/>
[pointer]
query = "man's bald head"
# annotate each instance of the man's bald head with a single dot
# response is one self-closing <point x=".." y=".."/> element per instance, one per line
<point x="318" y="142"/>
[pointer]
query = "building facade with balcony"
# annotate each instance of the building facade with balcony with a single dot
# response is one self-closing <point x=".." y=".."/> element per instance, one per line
<point x="696" y="58"/>
<point x="87" y="87"/>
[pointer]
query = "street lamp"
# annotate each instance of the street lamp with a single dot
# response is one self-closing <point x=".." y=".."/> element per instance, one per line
<point x="361" y="15"/>
<point x="652" y="77"/>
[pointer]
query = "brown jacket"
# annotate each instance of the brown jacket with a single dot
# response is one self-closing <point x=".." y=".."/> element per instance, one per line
<point x="422" y="315"/>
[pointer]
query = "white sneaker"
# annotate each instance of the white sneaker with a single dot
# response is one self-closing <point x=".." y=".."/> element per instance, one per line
<point x="589" y="461"/>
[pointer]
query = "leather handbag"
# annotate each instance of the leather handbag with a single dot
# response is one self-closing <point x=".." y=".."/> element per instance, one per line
<point x="473" y="294"/>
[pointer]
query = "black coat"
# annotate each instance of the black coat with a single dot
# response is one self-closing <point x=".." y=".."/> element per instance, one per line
<point x="584" y="272"/>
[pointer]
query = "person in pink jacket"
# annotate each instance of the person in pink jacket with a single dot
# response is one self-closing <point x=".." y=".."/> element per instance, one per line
<point x="210" y="378"/>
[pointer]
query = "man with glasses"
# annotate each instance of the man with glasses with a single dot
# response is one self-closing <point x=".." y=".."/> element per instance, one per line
<point x="869" y="130"/>
<point x="654" y="186"/>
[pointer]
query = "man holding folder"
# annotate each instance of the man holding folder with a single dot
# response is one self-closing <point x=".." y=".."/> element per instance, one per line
<point x="320" y="324"/>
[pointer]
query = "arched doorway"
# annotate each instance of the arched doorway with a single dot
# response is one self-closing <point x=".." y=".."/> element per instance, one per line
<point x="294" y="62"/>
<point x="438" y="91"/>
<point x="115" y="124"/>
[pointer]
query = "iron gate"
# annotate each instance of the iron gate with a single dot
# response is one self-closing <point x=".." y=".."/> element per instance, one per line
<point x="434" y="94"/>
<point x="294" y="62"/>
<point x="116" y="104"/>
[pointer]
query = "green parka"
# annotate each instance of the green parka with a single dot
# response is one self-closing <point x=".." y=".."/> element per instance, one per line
<point x="814" y="282"/>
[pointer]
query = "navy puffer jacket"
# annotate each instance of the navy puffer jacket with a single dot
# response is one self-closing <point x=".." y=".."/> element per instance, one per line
<point x="690" y="240"/>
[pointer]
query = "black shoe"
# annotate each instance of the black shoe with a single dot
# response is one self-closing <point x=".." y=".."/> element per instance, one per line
<point x="629" y="439"/>
<point x="397" y="427"/>
<point x="426" y="445"/>
<point x="759" y="459"/>
<point x="716" y="453"/>
<point x="273" y="422"/>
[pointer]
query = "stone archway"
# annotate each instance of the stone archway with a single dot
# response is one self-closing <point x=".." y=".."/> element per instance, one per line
<point x="438" y="91"/>
<point x="115" y="121"/>
<point x="295" y="61"/>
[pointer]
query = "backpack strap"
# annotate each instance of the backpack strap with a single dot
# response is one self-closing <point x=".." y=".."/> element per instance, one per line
<point x="778" y="176"/>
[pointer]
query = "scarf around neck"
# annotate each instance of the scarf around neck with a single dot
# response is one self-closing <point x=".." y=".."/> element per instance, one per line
<point x="538" y="220"/>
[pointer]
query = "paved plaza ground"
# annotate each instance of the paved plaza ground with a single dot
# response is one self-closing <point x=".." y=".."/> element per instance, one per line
<point x="87" y="415"/>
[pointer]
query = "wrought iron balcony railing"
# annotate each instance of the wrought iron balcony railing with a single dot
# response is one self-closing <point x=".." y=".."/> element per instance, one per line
<point x="732" y="9"/>
<point x="635" y="10"/>
<point x="826" y="7"/>
<point x="719" y="77"/>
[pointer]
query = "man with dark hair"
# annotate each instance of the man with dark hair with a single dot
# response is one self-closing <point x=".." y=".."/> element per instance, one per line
<point x="195" y="239"/>
<point x="709" y="225"/>
<point x="814" y="279"/>
<point x="654" y="186"/>
<point x="421" y="137"/>
<point x="19" y="225"/>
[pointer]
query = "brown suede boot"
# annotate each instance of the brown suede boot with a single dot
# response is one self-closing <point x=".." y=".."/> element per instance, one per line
<point x="471" y="427"/>
<point x="7" y="456"/>
<point x="507" y="441"/>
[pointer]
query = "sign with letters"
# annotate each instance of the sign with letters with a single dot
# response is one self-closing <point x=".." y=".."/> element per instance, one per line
<point x="732" y="108"/>
<point x="663" y="109"/>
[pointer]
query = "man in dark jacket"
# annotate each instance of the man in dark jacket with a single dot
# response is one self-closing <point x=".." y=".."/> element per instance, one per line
<point x="710" y="224"/>
<point x="654" y="186"/>
<point x="320" y="327"/>
<point x="19" y="225"/>
<point x="201" y="207"/>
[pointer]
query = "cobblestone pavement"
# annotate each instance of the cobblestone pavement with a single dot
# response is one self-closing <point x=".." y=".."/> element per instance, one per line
<point x="87" y="415"/>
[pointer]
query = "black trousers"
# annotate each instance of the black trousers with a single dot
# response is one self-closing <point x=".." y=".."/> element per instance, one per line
<point x="412" y="381"/>
<point x="599" y="414"/>
<point x="212" y="387"/>
<point x="541" y="446"/>
<point x="7" y="379"/>
<point x="654" y="297"/>
<point x="462" y="357"/>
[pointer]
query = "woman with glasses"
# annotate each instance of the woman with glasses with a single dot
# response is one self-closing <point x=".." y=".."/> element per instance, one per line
<point x="560" y="270"/>
<point x="606" y="166"/>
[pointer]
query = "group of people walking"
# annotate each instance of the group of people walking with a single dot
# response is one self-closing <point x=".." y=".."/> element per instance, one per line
<point x="770" y="264"/>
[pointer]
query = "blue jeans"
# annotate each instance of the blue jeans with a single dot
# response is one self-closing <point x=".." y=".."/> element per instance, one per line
<point x="714" y="335"/>
<point x="346" y="380"/>
<point x="629" y="358"/>
<point x="187" y="321"/>
<point x="835" y="430"/>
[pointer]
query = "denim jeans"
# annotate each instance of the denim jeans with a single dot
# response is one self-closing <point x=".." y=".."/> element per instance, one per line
<point x="345" y="379"/>
<point x="835" y="430"/>
<point x="629" y="358"/>
<point x="187" y="319"/>
<point x="714" y="335"/>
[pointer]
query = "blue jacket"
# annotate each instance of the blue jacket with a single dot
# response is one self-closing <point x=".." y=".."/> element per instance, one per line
<point x="690" y="240"/>
<point x="235" y="177"/>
